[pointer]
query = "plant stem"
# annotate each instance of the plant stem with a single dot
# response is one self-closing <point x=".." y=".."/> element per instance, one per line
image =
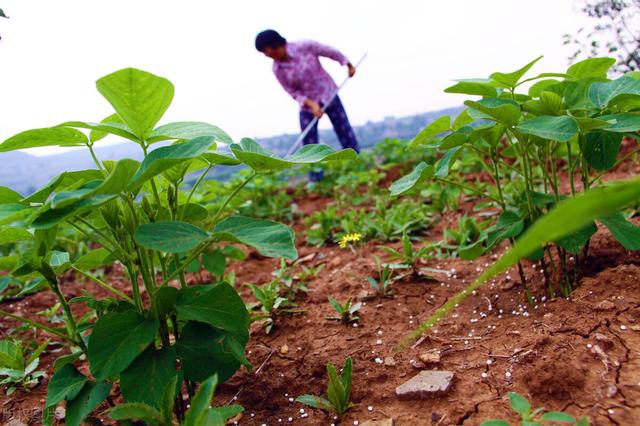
<point x="39" y="326"/>
<point x="193" y="189"/>
<point x="468" y="188"/>
<point x="95" y="158"/>
<point x="103" y="284"/>
<point x="233" y="194"/>
<point x="70" y="320"/>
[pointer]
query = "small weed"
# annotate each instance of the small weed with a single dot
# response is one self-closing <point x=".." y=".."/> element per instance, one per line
<point x="347" y="311"/>
<point x="535" y="417"/>
<point x="18" y="369"/>
<point x="272" y="304"/>
<point x="338" y="391"/>
<point x="384" y="281"/>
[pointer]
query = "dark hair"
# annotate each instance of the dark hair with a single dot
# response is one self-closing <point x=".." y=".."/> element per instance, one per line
<point x="269" y="38"/>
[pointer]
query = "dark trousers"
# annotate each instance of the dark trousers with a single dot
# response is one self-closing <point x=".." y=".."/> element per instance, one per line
<point x="341" y="126"/>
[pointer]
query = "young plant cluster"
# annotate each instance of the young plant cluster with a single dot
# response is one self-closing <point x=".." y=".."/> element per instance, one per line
<point x="158" y="337"/>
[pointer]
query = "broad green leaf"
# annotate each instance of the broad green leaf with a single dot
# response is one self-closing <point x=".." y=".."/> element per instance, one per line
<point x="12" y="235"/>
<point x="457" y="138"/>
<point x="463" y="119"/>
<point x="198" y="412"/>
<point x="443" y="165"/>
<point x="92" y="259"/>
<point x="518" y="403"/>
<point x="627" y="122"/>
<point x="8" y="195"/>
<point x="591" y="68"/>
<point x="146" y="378"/>
<point x="567" y="217"/>
<point x="193" y="212"/>
<point x="542" y="85"/>
<point x="140" y="98"/>
<point x="601" y="149"/>
<point x="136" y="411"/>
<point x="189" y="130"/>
<point x="89" y="398"/>
<point x="11" y="354"/>
<point x="479" y="87"/>
<point x="13" y="211"/>
<point x="561" y="128"/>
<point x="218" y="158"/>
<point x="215" y="262"/>
<point x="96" y="135"/>
<point x="52" y="217"/>
<point x="166" y="157"/>
<point x="228" y="411"/>
<point x="58" y="258"/>
<point x="170" y="236"/>
<point x="269" y="238"/>
<point x="556" y="416"/>
<point x="510" y="80"/>
<point x="574" y="242"/>
<point x="431" y="131"/>
<point x="509" y="225"/>
<point x="588" y="124"/>
<point x="50" y="136"/>
<point x="627" y="233"/>
<point x="100" y="130"/>
<point x="576" y="94"/>
<point x="65" y="385"/>
<point x="315" y="153"/>
<point x="117" y="339"/>
<point x="215" y="304"/>
<point x="315" y="402"/>
<point x="504" y="111"/>
<point x="63" y="199"/>
<point x="204" y="351"/>
<point x="421" y="172"/>
<point x="601" y="94"/>
<point x="118" y="178"/>
<point x="164" y="301"/>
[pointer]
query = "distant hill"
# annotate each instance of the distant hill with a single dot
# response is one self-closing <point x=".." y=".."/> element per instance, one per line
<point x="25" y="173"/>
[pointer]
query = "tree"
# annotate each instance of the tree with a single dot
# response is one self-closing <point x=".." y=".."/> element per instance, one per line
<point x="615" y="32"/>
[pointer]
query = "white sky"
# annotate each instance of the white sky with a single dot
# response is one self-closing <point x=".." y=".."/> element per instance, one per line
<point x="52" y="52"/>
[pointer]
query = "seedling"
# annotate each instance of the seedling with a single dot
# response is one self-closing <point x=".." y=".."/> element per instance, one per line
<point x="535" y="417"/>
<point x="272" y="304"/>
<point x="285" y="277"/>
<point x="347" y="311"/>
<point x="310" y="272"/>
<point x="338" y="391"/>
<point x="382" y="285"/>
<point x="19" y="368"/>
<point x="407" y="257"/>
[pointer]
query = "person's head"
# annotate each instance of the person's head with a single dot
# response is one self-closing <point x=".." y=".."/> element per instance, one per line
<point x="272" y="44"/>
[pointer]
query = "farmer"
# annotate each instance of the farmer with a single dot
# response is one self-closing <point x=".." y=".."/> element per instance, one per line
<point x="297" y="67"/>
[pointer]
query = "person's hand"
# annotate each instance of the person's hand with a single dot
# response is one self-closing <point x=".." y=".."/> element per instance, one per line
<point x="315" y="107"/>
<point x="352" y="69"/>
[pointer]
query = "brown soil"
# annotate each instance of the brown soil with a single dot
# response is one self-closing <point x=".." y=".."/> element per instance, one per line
<point x="580" y="355"/>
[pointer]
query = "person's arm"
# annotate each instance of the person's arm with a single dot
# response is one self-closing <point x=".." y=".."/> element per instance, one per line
<point x="320" y="49"/>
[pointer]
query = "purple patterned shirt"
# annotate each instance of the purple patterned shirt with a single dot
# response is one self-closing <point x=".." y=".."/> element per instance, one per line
<point x="302" y="76"/>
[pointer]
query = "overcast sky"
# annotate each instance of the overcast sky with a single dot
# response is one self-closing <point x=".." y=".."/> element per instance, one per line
<point x="52" y="52"/>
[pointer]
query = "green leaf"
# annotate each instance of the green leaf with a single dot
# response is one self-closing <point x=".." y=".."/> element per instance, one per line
<point x="189" y="130"/>
<point x="509" y="225"/>
<point x="315" y="402"/>
<point x="510" y="80"/>
<point x="601" y="149"/>
<point x="117" y="339"/>
<point x="216" y="304"/>
<point x="65" y="385"/>
<point x="92" y="259"/>
<point x="443" y="165"/>
<point x="145" y="379"/>
<point x="63" y="199"/>
<point x="567" y="217"/>
<point x="228" y="411"/>
<point x="537" y="88"/>
<point x="99" y="130"/>
<point x="269" y="238"/>
<point x="591" y="68"/>
<point x="113" y="119"/>
<point x="336" y="391"/>
<point x="164" y="301"/>
<point x="205" y="350"/>
<point x="628" y="122"/>
<point x="215" y="262"/>
<point x="463" y="119"/>
<point x="89" y="398"/>
<point x="161" y="159"/>
<point x="261" y="160"/>
<point x="218" y="158"/>
<point x="198" y="413"/>
<point x="601" y="94"/>
<point x="480" y="87"/>
<point x="140" y="98"/>
<point x="495" y="422"/>
<point x="50" y="136"/>
<point x="518" y="403"/>
<point x="574" y="242"/>
<point x="136" y="411"/>
<point x="557" y="416"/>
<point x="433" y="129"/>
<point x="457" y="138"/>
<point x="421" y="172"/>
<point x="561" y="128"/>
<point x="504" y="111"/>
<point x="118" y="178"/>
<point x="12" y="235"/>
<point x="627" y="233"/>
<point x="170" y="236"/>
<point x="8" y="195"/>
<point x="51" y="218"/>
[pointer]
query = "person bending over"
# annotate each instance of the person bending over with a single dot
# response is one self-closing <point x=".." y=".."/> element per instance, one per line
<point x="297" y="67"/>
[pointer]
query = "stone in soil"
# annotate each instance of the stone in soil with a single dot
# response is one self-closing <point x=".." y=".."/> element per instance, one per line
<point x="430" y="358"/>
<point x="426" y="384"/>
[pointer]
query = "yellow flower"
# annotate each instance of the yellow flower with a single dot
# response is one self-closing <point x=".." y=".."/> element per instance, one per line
<point x="349" y="238"/>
